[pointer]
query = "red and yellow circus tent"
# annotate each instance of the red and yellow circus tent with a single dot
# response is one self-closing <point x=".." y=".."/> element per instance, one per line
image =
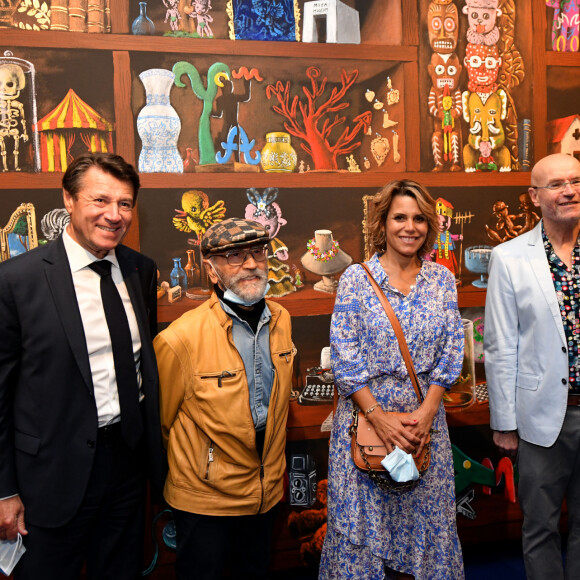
<point x="59" y="130"/>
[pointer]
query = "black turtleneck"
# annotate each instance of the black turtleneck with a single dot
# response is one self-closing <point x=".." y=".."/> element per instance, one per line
<point x="251" y="315"/>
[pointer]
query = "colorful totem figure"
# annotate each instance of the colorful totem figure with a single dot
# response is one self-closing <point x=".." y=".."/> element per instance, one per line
<point x="482" y="17"/>
<point x="484" y="108"/>
<point x="442" y="25"/>
<point x="445" y="103"/>
<point x="566" y="24"/>
<point x="445" y="242"/>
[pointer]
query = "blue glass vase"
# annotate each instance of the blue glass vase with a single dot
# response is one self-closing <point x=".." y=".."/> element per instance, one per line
<point x="143" y="24"/>
<point x="178" y="277"/>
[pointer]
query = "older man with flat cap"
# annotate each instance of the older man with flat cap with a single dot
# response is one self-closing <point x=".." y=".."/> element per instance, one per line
<point x="225" y="373"/>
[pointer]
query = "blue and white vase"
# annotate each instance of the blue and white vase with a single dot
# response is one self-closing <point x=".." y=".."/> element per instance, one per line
<point x="158" y="125"/>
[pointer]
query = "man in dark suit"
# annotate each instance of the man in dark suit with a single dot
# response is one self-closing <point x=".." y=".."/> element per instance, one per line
<point x="79" y="422"/>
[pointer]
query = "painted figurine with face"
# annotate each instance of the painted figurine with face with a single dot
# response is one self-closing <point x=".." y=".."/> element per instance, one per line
<point x="482" y="63"/>
<point x="172" y="14"/>
<point x="442" y="25"/>
<point x="445" y="105"/>
<point x="263" y="209"/>
<point x="482" y="16"/>
<point x="444" y="249"/>
<point x="486" y="142"/>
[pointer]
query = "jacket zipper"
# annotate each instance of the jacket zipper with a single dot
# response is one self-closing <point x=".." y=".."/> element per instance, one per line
<point x="209" y="459"/>
<point x="222" y="375"/>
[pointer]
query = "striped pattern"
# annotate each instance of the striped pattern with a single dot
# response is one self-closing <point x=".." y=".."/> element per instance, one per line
<point x="59" y="129"/>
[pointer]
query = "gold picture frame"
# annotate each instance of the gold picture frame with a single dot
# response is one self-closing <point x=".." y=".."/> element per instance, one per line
<point x="19" y="234"/>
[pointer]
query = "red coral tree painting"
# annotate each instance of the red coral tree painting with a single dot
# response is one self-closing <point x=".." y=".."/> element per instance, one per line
<point x="316" y="123"/>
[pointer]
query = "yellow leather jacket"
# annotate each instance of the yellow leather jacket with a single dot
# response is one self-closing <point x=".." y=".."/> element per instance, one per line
<point x="207" y="427"/>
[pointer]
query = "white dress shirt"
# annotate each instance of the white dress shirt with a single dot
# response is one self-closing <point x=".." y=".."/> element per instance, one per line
<point x="88" y="292"/>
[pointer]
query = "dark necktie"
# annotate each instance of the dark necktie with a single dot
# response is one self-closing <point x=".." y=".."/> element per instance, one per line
<point x="122" y="343"/>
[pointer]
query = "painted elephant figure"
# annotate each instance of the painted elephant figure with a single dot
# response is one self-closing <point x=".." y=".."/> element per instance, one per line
<point x="486" y="148"/>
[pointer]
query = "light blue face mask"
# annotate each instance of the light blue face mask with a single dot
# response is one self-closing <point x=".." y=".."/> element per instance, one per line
<point x="10" y="553"/>
<point x="231" y="296"/>
<point x="401" y="465"/>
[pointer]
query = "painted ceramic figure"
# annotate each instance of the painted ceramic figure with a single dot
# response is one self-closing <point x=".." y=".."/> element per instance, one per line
<point x="197" y="215"/>
<point x="482" y="17"/>
<point x="199" y="10"/>
<point x="482" y="63"/>
<point x="172" y="14"/>
<point x="505" y="226"/>
<point x="446" y="107"/>
<point x="486" y="142"/>
<point x="566" y="24"/>
<point x="263" y="209"/>
<point x="442" y="25"/>
<point x="444" y="252"/>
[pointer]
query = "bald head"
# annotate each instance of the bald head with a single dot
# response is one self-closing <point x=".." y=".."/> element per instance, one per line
<point x="549" y="168"/>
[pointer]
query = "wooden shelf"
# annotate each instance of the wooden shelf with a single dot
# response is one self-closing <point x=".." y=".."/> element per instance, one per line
<point x="129" y="42"/>
<point x="562" y="58"/>
<point x="469" y="296"/>
<point x="311" y="179"/>
<point x="304" y="302"/>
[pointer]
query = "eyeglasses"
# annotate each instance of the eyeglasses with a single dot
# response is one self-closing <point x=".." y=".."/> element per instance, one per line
<point x="559" y="185"/>
<point x="490" y="63"/>
<point x="238" y="257"/>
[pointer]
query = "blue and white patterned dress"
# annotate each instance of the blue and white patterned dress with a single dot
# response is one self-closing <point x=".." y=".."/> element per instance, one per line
<point x="413" y="532"/>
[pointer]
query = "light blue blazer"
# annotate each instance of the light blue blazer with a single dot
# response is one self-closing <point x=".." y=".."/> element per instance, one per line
<point x="526" y="359"/>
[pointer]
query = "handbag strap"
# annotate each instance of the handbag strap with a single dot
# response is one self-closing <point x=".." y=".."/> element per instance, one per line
<point x="398" y="332"/>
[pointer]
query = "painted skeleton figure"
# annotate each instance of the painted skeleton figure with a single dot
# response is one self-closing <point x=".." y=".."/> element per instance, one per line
<point x="445" y="106"/>
<point x="482" y="16"/>
<point x="12" y="118"/>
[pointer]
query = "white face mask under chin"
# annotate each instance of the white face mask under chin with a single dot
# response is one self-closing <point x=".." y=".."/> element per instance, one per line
<point x="10" y="553"/>
<point x="231" y="296"/>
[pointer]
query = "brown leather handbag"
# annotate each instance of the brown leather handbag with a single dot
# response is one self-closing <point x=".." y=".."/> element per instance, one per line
<point x="367" y="448"/>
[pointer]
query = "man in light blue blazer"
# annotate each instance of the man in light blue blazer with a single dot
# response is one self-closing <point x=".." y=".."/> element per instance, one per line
<point x="532" y="365"/>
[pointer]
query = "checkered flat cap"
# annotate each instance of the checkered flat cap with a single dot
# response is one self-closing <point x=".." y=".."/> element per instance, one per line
<point x="232" y="233"/>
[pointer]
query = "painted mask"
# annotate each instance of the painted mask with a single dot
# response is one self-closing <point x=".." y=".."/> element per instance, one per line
<point x="444" y="70"/>
<point x="442" y="25"/>
<point x="482" y="63"/>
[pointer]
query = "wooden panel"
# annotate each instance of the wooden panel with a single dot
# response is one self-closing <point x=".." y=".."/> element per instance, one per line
<point x="119" y="17"/>
<point x="412" y="118"/>
<point x="410" y="14"/>
<point x="540" y="102"/>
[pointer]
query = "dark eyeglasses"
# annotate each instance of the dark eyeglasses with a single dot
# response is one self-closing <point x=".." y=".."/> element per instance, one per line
<point x="238" y="257"/>
<point x="559" y="185"/>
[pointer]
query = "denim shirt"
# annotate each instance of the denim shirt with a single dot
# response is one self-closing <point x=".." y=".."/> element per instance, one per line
<point x="255" y="352"/>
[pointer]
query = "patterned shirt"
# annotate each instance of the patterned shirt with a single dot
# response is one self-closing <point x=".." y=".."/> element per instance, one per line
<point x="567" y="286"/>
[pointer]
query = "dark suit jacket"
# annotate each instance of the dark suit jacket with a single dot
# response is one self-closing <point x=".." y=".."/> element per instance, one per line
<point x="48" y="414"/>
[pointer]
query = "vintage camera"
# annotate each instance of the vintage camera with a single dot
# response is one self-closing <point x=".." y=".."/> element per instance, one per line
<point x="302" y="476"/>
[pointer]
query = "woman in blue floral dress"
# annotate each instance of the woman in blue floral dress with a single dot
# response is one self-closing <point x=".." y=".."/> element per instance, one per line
<point x="375" y="533"/>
